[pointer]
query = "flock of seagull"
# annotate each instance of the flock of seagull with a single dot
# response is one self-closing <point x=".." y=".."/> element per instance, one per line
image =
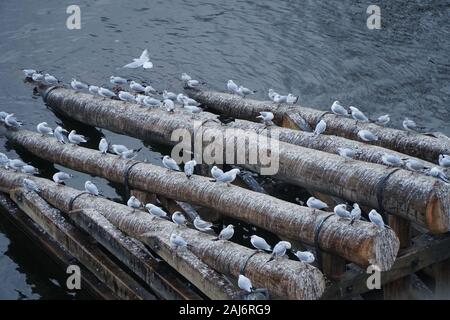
<point x="146" y="95"/>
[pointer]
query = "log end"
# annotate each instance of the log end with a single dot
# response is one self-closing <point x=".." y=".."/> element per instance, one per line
<point x="306" y="284"/>
<point x="438" y="209"/>
<point x="385" y="249"/>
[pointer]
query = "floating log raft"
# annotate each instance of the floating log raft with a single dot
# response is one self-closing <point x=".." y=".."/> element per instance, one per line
<point x="287" y="280"/>
<point x="361" y="242"/>
<point x="418" y="145"/>
<point x="427" y="201"/>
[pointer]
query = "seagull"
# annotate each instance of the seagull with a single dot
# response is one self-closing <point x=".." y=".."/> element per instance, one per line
<point x="28" y="72"/>
<point x="91" y="188"/>
<point x="245" y="284"/>
<point x="316" y="204"/>
<point x="226" y="233"/>
<point x="366" y="135"/>
<point x="193" y="109"/>
<point x="320" y="128"/>
<point x="259" y="243"/>
<point x="391" y="160"/>
<point x="280" y="249"/>
<point x="341" y="211"/>
<point x="156" y="211"/>
<point x="170" y="164"/>
<point x="168" y="105"/>
<point x="232" y="87"/>
<point x="440" y="174"/>
<point x="243" y="91"/>
<point x="137" y="87"/>
<point x="192" y="84"/>
<point x="93" y="89"/>
<point x="28" y="169"/>
<point x="59" y="134"/>
<point x="134" y="203"/>
<point x="444" y="160"/>
<point x="149" y="90"/>
<point x="103" y="146"/>
<point x="338" y="109"/>
<point x="126" y="96"/>
<point x="189" y="168"/>
<point x="11" y="121"/>
<point x="229" y="176"/>
<point x="44" y="129"/>
<point x="105" y="93"/>
<point x="118" y="80"/>
<point x="38" y="77"/>
<point x="151" y="102"/>
<point x="49" y="79"/>
<point x="357" y="114"/>
<point x="346" y="152"/>
<point x="124" y="152"/>
<point x="3" y="115"/>
<point x="414" y="165"/>
<point x="291" y="99"/>
<point x="272" y="94"/>
<point x="188" y="101"/>
<point x="30" y="185"/>
<point x="16" y="164"/>
<point x="305" y="256"/>
<point x="216" y="172"/>
<point x="78" y="85"/>
<point x="279" y="98"/>
<point x="76" y="138"/>
<point x="266" y="117"/>
<point x="409" y="125"/>
<point x="61" y="177"/>
<point x="178" y="218"/>
<point x="376" y="218"/>
<point x="185" y="77"/>
<point x="355" y="214"/>
<point x="202" y="225"/>
<point x="169" y="95"/>
<point x="177" y="241"/>
<point x="140" y="98"/>
<point x="3" y="160"/>
<point x="383" y="120"/>
<point x="142" y="61"/>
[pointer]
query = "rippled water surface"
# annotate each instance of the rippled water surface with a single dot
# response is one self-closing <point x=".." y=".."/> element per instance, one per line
<point x="321" y="50"/>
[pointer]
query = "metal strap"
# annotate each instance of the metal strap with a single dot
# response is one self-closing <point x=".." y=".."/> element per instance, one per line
<point x="380" y="192"/>
<point x="72" y="200"/>
<point x="47" y="92"/>
<point x="323" y="115"/>
<point x="125" y="178"/>
<point x="316" y="239"/>
<point x="242" y="271"/>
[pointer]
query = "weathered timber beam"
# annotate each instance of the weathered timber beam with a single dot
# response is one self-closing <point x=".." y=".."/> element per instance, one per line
<point x="164" y="282"/>
<point x="289" y="280"/>
<point x="361" y="242"/>
<point x="418" y="145"/>
<point x="36" y="235"/>
<point x="79" y="245"/>
<point x="426" y="250"/>
<point x="427" y="201"/>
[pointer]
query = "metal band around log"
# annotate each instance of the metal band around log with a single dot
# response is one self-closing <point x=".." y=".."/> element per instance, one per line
<point x="125" y="178"/>
<point x="380" y="192"/>
<point x="316" y="240"/>
<point x="72" y="200"/>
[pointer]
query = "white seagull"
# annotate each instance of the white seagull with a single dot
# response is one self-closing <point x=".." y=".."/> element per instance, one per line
<point x="155" y="210"/>
<point x="305" y="256"/>
<point x="202" y="225"/>
<point x="259" y="243"/>
<point x="59" y="134"/>
<point x="316" y="204"/>
<point x="91" y="188"/>
<point x="61" y="177"/>
<point x="320" y="127"/>
<point x="358" y="115"/>
<point x="134" y="203"/>
<point x="105" y="93"/>
<point x="142" y="61"/>
<point x="189" y="168"/>
<point x="229" y="176"/>
<point x="280" y="249"/>
<point x="383" y="120"/>
<point x="367" y="136"/>
<point x="444" y="160"/>
<point x="338" y="109"/>
<point x="266" y="117"/>
<point x="126" y="96"/>
<point x="391" y="160"/>
<point x="30" y="185"/>
<point x="170" y="164"/>
<point x="78" y="85"/>
<point x="245" y="284"/>
<point x="103" y="146"/>
<point x="76" y="138"/>
<point x="341" y="211"/>
<point x="178" y="218"/>
<point x="44" y="129"/>
<point x="232" y="87"/>
<point x="376" y="219"/>
<point x="118" y="80"/>
<point x="177" y="241"/>
<point x="346" y="152"/>
<point x="226" y="233"/>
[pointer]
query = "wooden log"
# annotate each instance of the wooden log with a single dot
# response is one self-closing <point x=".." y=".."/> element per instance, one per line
<point x="426" y="147"/>
<point x="79" y="245"/>
<point x="89" y="282"/>
<point x="288" y="280"/>
<point x="426" y="250"/>
<point x="164" y="282"/>
<point x="361" y="242"/>
<point x="428" y="200"/>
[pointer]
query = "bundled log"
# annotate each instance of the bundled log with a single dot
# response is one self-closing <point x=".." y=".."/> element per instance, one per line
<point x="360" y="242"/>
<point x="426" y="147"/>
<point x="288" y="279"/>
<point x="427" y="201"/>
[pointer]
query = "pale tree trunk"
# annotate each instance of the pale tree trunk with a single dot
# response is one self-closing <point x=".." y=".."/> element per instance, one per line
<point x="427" y="201"/>
<point x="288" y="279"/>
<point x="361" y="242"/>
<point x="418" y="145"/>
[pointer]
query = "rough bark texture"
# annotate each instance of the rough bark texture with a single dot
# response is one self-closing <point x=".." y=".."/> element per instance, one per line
<point x="413" y="196"/>
<point x="418" y="145"/>
<point x="361" y="242"/>
<point x="289" y="279"/>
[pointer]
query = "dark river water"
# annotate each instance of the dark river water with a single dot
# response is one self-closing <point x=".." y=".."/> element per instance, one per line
<point x="321" y="50"/>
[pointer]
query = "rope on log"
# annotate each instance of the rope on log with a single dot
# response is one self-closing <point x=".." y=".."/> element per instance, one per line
<point x="427" y="201"/>
<point x="362" y="242"/>
<point x="418" y="145"/>
<point x="288" y="279"/>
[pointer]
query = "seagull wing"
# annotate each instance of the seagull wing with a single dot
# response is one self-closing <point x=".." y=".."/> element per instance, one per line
<point x="133" y="65"/>
<point x="148" y="65"/>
